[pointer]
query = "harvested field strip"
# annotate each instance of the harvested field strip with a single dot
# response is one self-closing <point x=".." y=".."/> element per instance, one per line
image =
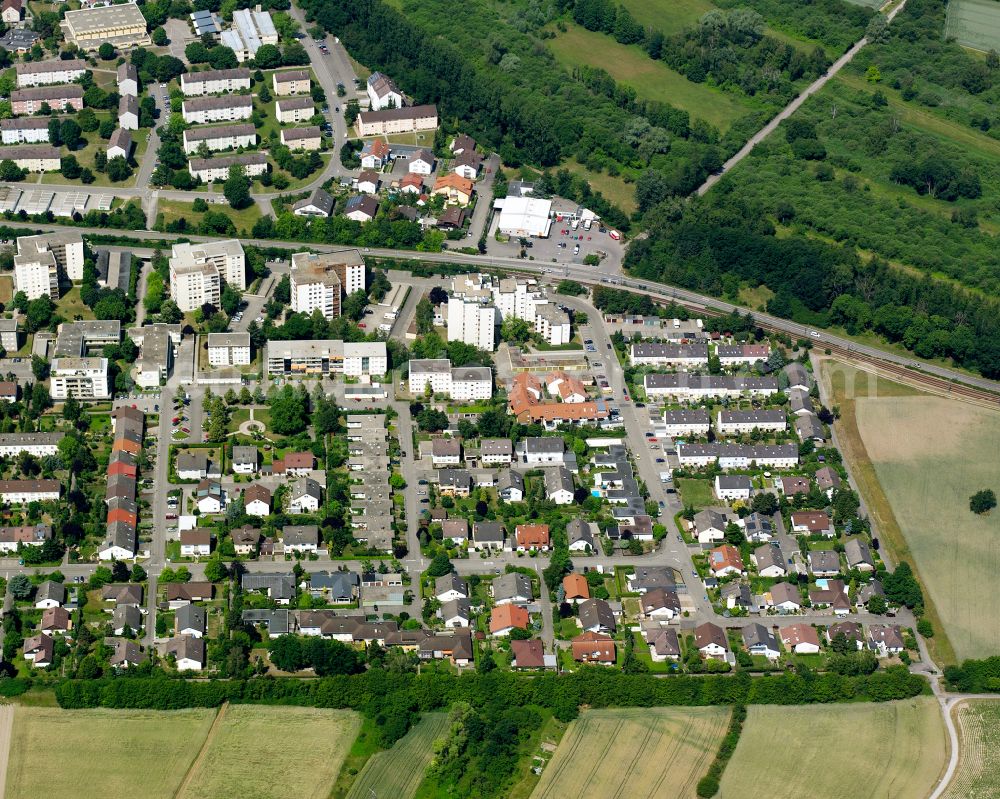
<point x="251" y="752"/>
<point x="978" y="774"/>
<point x="656" y="752"/>
<point x="204" y="748"/>
<point x="974" y="23"/>
<point x="861" y="751"/>
<point x="6" y="728"/>
<point x="102" y="753"/>
<point x="397" y="773"/>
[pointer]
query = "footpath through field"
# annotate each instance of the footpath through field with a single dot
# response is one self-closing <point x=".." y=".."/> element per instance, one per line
<point x="793" y="106"/>
<point x="204" y="748"/>
<point x="6" y="726"/>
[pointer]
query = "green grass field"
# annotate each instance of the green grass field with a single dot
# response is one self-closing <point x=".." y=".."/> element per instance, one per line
<point x="172" y="210"/>
<point x="102" y="753"/>
<point x="928" y="470"/>
<point x="614" y="189"/>
<point x="896" y="749"/>
<point x="651" y="79"/>
<point x="252" y="749"/>
<point x="974" y="23"/>
<point x="978" y="773"/>
<point x="696" y="492"/>
<point x="397" y="773"/>
<point x="655" y="752"/>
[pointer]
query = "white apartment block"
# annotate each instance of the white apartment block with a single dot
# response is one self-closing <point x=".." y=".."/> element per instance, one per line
<point x="66" y="246"/>
<point x="552" y="324"/>
<point x="319" y="280"/>
<point x="37" y="444"/>
<point x="36" y="275"/>
<point x="322" y="358"/>
<point x="214" y="169"/>
<point x="462" y="383"/>
<point x="517" y="298"/>
<point x="732" y="423"/>
<point x="224" y="137"/>
<point x="83" y="378"/>
<point x="24" y="130"/>
<point x="289" y="110"/>
<point x="690" y="387"/>
<point x="21" y="492"/>
<point x="215" y="81"/>
<point x="686" y="423"/>
<point x="734" y="456"/>
<point x="156" y="344"/>
<point x="201" y="110"/>
<point x="472" y="321"/>
<point x="229" y="349"/>
<point x="42" y="73"/>
<point x="197" y="272"/>
<point x="383" y="92"/>
<point x="651" y="353"/>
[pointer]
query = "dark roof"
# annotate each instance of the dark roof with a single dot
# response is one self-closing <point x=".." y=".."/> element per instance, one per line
<point x="321" y="199"/>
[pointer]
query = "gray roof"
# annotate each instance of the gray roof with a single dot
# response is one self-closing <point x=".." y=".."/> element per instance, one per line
<point x="809" y="426"/>
<point x="212" y="103"/>
<point x="495" y="446"/>
<point x="126" y="615"/>
<point x="579" y="530"/>
<point x="487" y="532"/>
<point x="510" y="585"/>
<point x="650" y="577"/>
<point x="338" y="583"/>
<point x="824" y="560"/>
<point x="558" y="479"/>
<point x="797" y="374"/>
<point x="596" y="612"/>
<point x="758" y="635"/>
<point x="51" y="590"/>
<point x="769" y="555"/>
<point x="456" y="607"/>
<point x="191" y="617"/>
<point x="454" y="478"/>
<point x="785" y="592"/>
<point x="509" y="478"/>
<point x="300" y="534"/>
<point x="202" y="133"/>
<point x="216" y="74"/>
<point x="321" y="199"/>
<point x="451" y="582"/>
<point x="739" y="591"/>
<point x="279" y="586"/>
<point x="306" y="486"/>
<point x="858" y="552"/>
<point x="187" y="647"/>
<point x="734" y="482"/>
<point x="549" y="444"/>
<point x="246" y="454"/>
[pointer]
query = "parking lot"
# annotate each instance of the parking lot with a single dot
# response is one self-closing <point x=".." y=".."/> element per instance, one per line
<point x="561" y="247"/>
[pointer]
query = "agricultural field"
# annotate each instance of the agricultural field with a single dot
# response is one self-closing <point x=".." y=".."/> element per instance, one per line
<point x="862" y="751"/>
<point x="978" y="773"/>
<point x="101" y="753"/>
<point x="928" y="470"/>
<point x="668" y="16"/>
<point x="974" y="23"/>
<point x="656" y="752"/>
<point x="652" y="80"/>
<point x="234" y="763"/>
<point x="397" y="773"/>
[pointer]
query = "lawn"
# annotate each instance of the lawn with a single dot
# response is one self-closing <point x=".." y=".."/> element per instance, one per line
<point x="978" y="773"/>
<point x="6" y="288"/>
<point x="643" y="752"/>
<point x="172" y="210"/>
<point x="928" y="470"/>
<point x="251" y="748"/>
<point x="614" y="188"/>
<point x="101" y="753"/>
<point x="652" y="80"/>
<point x="895" y="749"/>
<point x="974" y="23"/>
<point x="70" y="306"/>
<point x="697" y="493"/>
<point x="85" y="156"/>
<point x="397" y="772"/>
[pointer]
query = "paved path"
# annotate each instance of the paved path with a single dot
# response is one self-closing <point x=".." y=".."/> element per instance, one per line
<point x="792" y="107"/>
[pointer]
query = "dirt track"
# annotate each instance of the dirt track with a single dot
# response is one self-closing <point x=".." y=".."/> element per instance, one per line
<point x="6" y="726"/>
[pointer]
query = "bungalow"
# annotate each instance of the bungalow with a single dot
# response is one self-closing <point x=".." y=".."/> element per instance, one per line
<point x="802" y="639"/>
<point x="190" y="620"/>
<point x="196" y="543"/>
<point x="124" y="653"/>
<point x="733" y="487"/>
<point x="50" y="594"/>
<point x="279" y="587"/>
<point x="761" y="641"/>
<point x="648" y="578"/>
<point x="180" y="594"/>
<point x="506" y="618"/>
<point x="851" y="630"/>
<point x="859" y="555"/>
<point x="512" y="588"/>
<point x="594" y="648"/>
<point x="450" y="587"/>
<point x="798" y="377"/>
<point x="122" y="594"/>
<point x="769" y="561"/>
<point x="831" y="594"/>
<point x="885" y="639"/>
<point x="305" y="496"/>
<point x="188" y="652"/>
<point x="785" y="598"/>
<point x="487" y="535"/>
<point x="575" y="587"/>
<point x="812" y="522"/>
<point x="725" y="560"/>
<point x="57" y="620"/>
<point x="660" y="603"/>
<point x="300" y="538"/>
<point x="532" y="536"/>
<point x="257" y="500"/>
<point x="596" y="616"/>
<point x="455" y="530"/>
<point x="711" y="641"/>
<point x="868" y="590"/>
<point x="210" y="498"/>
<point x="195" y="465"/>
<point x="790" y="486"/>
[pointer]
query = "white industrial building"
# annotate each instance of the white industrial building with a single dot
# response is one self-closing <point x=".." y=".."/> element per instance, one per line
<point x="229" y="349"/>
<point x="524" y="217"/>
<point x="250" y="30"/>
<point x="197" y="272"/>
<point x="461" y="383"/>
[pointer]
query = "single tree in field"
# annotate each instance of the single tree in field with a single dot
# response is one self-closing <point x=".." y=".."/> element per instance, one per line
<point x="983" y="501"/>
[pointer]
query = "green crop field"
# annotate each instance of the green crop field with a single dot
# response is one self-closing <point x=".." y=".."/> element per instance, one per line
<point x="862" y="751"/>
<point x="652" y="80"/>
<point x="397" y="773"/>
<point x="272" y="753"/>
<point x="978" y="773"/>
<point x="974" y="23"/>
<point x="928" y="470"/>
<point x="647" y="752"/>
<point x="102" y="753"/>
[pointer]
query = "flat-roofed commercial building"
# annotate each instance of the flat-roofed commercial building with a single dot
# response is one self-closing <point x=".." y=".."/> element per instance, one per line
<point x="250" y="30"/>
<point x="197" y="272"/>
<point x="215" y="81"/>
<point x="42" y="73"/>
<point x="213" y="169"/>
<point x="326" y="357"/>
<point x="229" y="349"/>
<point x="222" y="137"/>
<point x="318" y="280"/>
<point x="200" y="110"/>
<point x="397" y="120"/>
<point x="83" y="378"/>
<point x="28" y="101"/>
<point x="121" y="25"/>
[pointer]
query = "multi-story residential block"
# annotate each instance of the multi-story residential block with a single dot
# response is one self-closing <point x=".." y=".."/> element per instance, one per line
<point x="37" y="444"/>
<point x="323" y="358"/>
<point x="295" y="81"/>
<point x="83" y="378"/>
<point x="24" y="130"/>
<point x="128" y="79"/>
<point x="552" y="324"/>
<point x="294" y="109"/>
<point x="120" y="144"/>
<point x="229" y="349"/>
<point x="383" y="92"/>
<point x="214" y="169"/>
<point x="735" y="422"/>
<point x="121" y="25"/>
<point x="32" y="157"/>
<point x="74" y="339"/>
<point x="39" y="259"/>
<point x="10" y="330"/>
<point x="686" y="386"/>
<point x="686" y="423"/>
<point x="215" y="81"/>
<point x="21" y="492"/>
<point x="462" y="383"/>
<point x="29" y="101"/>
<point x="201" y="110"/>
<point x="651" y="353"/>
<point x="308" y="138"/>
<point x="156" y="353"/>
<point x="397" y="120"/>
<point x="197" y="272"/>
<point x="734" y="456"/>
<point x="222" y="137"/>
<point x="318" y="281"/>
<point x="42" y="73"/>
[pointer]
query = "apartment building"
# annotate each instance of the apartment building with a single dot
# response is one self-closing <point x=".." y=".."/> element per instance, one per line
<point x="128" y="79"/>
<point x="21" y="492"/>
<point x="732" y="423"/>
<point x="83" y="378"/>
<point x="24" y="130"/>
<point x="215" y="81"/>
<point x="28" y="101"/>
<point x="32" y="157"/>
<point x="307" y="139"/>
<point x="383" y="92"/>
<point x="229" y="349"/>
<point x="197" y="272"/>
<point x="552" y="324"/>
<point x="296" y="81"/>
<point x="223" y="137"/>
<point x="289" y="110"/>
<point x="651" y="353"/>
<point x="156" y="353"/>
<point x="128" y="112"/>
<point x="323" y="358"/>
<point x="462" y="383"/>
<point x="319" y="280"/>
<point x="40" y="258"/>
<point x="37" y="444"/>
<point x="397" y="120"/>
<point x="43" y="73"/>
<point x="224" y="108"/>
<point x="215" y="169"/>
<point x="695" y="387"/>
<point x="121" y="25"/>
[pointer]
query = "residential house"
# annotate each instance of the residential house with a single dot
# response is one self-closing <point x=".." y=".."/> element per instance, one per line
<point x="50" y="594"/>
<point x="190" y="620"/>
<point x="467" y="165"/>
<point x="812" y="522"/>
<point x="124" y="653"/>
<point x="725" y="560"/>
<point x="758" y="528"/>
<point x="455" y="612"/>
<point x="245" y="540"/>
<point x="710" y="526"/>
<point x="126" y="618"/>
<point x="179" y="594"/>
<point x="580" y="535"/>
<point x="790" y="486"/>
<point x="279" y="587"/>
<point x="802" y="639"/>
<point x="294" y="464"/>
<point x="455" y="530"/>
<point x="300" y="538"/>
<point x="828" y="480"/>
<point x="868" y="590"/>
<point x="487" y="536"/>
<point x="368" y="182"/>
<point x="885" y="639"/>
<point x="831" y="594"/>
<point x="196" y="543"/>
<point x="257" y="500"/>
<point x="506" y="618"/>
<point x="512" y="588"/>
<point x="510" y="486"/>
<point x="543" y="451"/>
<point x="824" y="562"/>
<point x="336" y="587"/>
<point x="559" y="485"/>
<point x="532" y="536"/>
<point x="736" y="595"/>
<point x="446" y="452"/>
<point x="593" y="647"/>
<point x="663" y="644"/>
<point x="769" y="561"/>
<point x="188" y="651"/>
<point x="711" y="641"/>
<point x="575" y="587"/>
<point x="450" y="587"/>
<point x="660" y="603"/>
<point x="596" y="616"/>
<point x="421" y="163"/>
<point x="56" y="621"/>
<point x="454" y="482"/>
<point x="361" y="208"/>
<point x="859" y="555"/>
<point x="798" y="377"/>
<point x="246" y="459"/>
<point x="785" y="598"/>
<point x="454" y="188"/>
<point x="39" y="650"/>
<point x="122" y="594"/>
<point x="851" y="630"/>
<point x="320" y="203"/>
<point x="305" y="496"/>
<point x="648" y="578"/>
<point x="495" y="452"/>
<point x="530" y="655"/>
<point x="732" y="488"/>
<point x="759" y="640"/>
<point x="374" y="154"/>
<point x="209" y="496"/>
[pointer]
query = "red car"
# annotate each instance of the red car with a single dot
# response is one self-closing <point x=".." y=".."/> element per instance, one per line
<point x="185" y="430"/>
<point x="171" y="515"/>
<point x="176" y="420"/>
